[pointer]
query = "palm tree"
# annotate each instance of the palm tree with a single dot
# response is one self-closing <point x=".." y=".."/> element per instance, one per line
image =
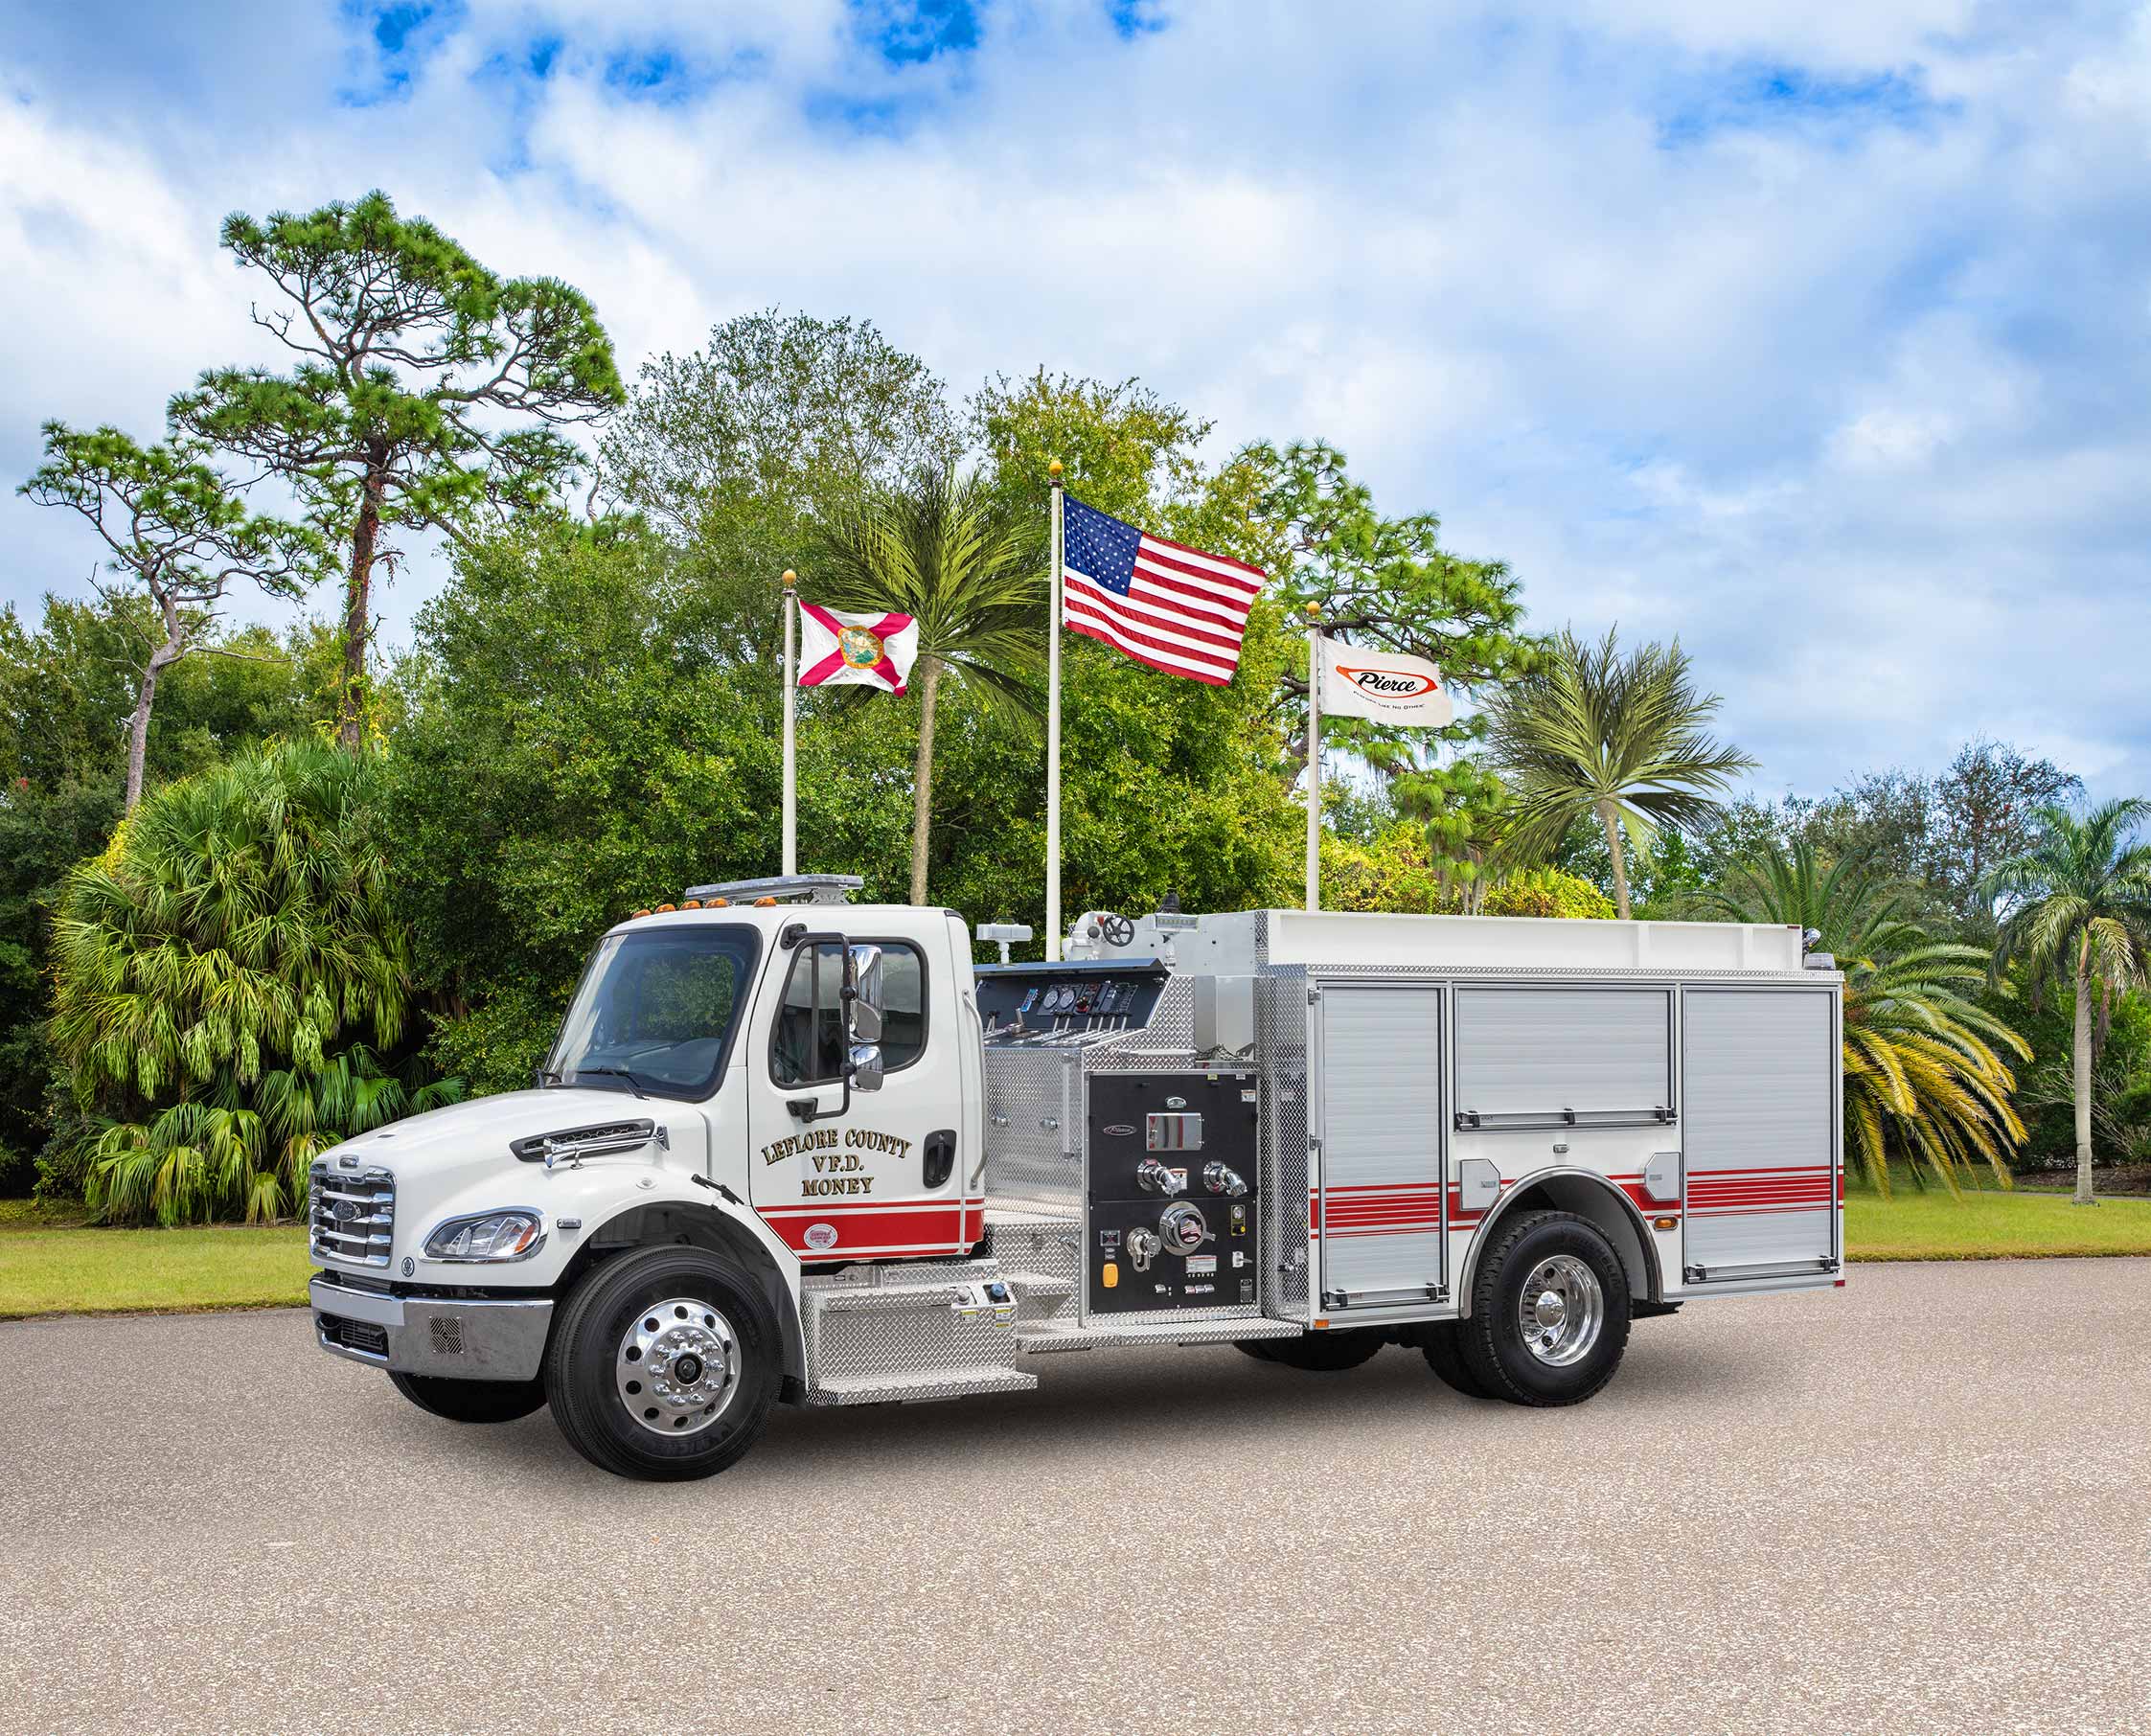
<point x="1622" y="738"/>
<point x="2079" y="908"/>
<point x="1922" y="1076"/>
<point x="945" y="551"/>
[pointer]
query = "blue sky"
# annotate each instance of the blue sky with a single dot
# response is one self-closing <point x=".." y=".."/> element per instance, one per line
<point x="1818" y="334"/>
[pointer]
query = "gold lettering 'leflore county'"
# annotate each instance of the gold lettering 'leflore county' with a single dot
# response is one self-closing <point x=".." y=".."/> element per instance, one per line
<point x="830" y="1139"/>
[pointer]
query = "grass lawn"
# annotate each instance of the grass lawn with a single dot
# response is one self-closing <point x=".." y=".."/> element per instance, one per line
<point x="48" y="1269"/>
<point x="51" y="1265"/>
<point x="1988" y="1224"/>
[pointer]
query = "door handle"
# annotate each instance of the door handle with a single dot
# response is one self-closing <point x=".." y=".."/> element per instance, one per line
<point x="940" y="1159"/>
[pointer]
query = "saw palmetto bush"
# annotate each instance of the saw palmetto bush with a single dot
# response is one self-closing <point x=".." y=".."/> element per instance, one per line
<point x="1925" y="1082"/>
<point x="228" y="979"/>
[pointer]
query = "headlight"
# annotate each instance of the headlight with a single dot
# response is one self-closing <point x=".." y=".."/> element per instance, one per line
<point x="509" y="1235"/>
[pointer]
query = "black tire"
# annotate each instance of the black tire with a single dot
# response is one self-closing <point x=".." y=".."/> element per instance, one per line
<point x="1443" y="1348"/>
<point x="583" y="1370"/>
<point x="470" y="1401"/>
<point x="1325" y="1352"/>
<point x="1492" y="1340"/>
<point x="1257" y="1348"/>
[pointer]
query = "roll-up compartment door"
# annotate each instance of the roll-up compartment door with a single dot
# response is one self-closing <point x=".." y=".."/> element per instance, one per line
<point x="1541" y="1057"/>
<point x="1377" y="1209"/>
<point x="1759" y="1070"/>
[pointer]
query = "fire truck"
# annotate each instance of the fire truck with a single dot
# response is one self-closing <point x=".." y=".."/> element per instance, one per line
<point x="790" y="1149"/>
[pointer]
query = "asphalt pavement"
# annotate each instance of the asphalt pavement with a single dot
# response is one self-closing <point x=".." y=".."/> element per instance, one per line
<point x="1921" y="1503"/>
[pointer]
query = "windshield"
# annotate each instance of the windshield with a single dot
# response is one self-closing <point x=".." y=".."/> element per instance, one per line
<point x="655" y="1010"/>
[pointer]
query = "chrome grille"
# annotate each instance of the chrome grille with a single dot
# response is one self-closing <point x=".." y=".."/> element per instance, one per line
<point x="351" y="1215"/>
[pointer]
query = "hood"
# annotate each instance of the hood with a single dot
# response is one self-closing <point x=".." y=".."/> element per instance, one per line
<point x="443" y="1147"/>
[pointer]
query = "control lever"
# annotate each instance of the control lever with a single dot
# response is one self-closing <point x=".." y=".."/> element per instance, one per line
<point x="1219" y="1179"/>
<point x="1157" y="1178"/>
<point x="1143" y="1247"/>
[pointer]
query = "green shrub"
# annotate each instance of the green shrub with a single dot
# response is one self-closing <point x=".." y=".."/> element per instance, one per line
<point x="229" y="976"/>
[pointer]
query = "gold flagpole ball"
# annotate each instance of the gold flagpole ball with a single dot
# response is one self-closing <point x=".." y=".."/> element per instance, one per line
<point x="1053" y="469"/>
<point x="790" y="578"/>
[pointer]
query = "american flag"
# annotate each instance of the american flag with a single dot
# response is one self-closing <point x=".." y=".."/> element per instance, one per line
<point x="1164" y="604"/>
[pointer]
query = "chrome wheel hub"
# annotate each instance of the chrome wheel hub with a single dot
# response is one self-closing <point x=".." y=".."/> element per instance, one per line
<point x="1562" y="1311"/>
<point x="677" y="1366"/>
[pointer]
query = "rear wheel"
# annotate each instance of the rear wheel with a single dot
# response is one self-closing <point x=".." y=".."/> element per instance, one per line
<point x="1443" y="1347"/>
<point x="1549" y="1311"/>
<point x="1323" y="1352"/>
<point x="1257" y="1348"/>
<point x="470" y="1400"/>
<point x="664" y="1364"/>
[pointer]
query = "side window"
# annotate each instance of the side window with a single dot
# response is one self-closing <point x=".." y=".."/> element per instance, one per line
<point x="904" y="1006"/>
<point x="808" y="1045"/>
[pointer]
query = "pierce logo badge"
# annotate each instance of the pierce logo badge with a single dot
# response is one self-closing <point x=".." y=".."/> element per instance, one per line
<point x="1120" y="1129"/>
<point x="1390" y="683"/>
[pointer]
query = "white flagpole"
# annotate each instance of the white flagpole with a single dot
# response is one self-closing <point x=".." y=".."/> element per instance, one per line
<point x="1053" y="733"/>
<point x="1314" y="756"/>
<point x="790" y="706"/>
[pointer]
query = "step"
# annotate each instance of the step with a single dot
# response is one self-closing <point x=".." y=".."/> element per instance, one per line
<point x="1049" y="1336"/>
<point x="923" y="1386"/>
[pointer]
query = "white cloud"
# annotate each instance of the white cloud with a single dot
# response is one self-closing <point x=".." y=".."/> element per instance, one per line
<point x="1813" y="334"/>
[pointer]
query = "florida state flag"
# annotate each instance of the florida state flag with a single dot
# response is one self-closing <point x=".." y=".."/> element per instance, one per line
<point x="838" y="647"/>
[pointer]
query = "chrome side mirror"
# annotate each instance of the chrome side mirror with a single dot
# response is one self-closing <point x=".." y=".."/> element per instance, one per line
<point x="862" y="998"/>
<point x="864" y="1069"/>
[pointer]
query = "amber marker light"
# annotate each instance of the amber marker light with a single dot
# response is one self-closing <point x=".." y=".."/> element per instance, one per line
<point x="633" y="915"/>
<point x="1665" y="1223"/>
<point x="764" y="903"/>
<point x="664" y="909"/>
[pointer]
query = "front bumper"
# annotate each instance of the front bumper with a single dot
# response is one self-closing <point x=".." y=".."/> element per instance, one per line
<point x="488" y="1339"/>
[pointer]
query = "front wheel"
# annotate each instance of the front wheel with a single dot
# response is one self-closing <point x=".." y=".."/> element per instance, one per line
<point x="1549" y="1312"/>
<point x="664" y="1364"/>
<point x="470" y="1400"/>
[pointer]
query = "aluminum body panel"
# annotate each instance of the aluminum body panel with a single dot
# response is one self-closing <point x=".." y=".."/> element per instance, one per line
<point x="1379" y="1209"/>
<point x="1761" y="1144"/>
<point x="1239" y="941"/>
<point x="1541" y="1050"/>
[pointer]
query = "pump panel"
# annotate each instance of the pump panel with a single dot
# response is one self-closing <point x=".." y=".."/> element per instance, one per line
<point x="1170" y="1160"/>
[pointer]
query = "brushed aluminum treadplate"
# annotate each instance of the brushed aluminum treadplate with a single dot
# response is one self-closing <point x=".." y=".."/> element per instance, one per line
<point x="921" y="1387"/>
<point x="1161" y="1332"/>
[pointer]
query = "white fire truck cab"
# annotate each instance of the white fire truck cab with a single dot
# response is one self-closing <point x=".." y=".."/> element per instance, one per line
<point x="790" y="1149"/>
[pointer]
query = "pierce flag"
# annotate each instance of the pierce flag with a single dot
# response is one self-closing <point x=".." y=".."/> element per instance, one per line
<point x="1386" y="687"/>
<point x="840" y="649"/>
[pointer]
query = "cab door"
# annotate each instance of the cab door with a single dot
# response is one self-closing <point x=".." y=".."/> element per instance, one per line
<point x="879" y="1175"/>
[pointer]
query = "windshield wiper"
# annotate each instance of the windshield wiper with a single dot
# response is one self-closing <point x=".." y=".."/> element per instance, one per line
<point x="634" y="1085"/>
